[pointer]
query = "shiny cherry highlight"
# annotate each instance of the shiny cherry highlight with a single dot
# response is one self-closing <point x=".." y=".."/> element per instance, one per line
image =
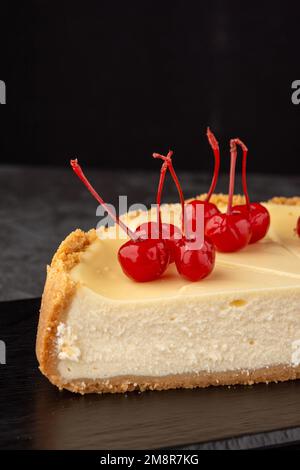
<point x="144" y="260"/>
<point x="259" y="218"/>
<point x="193" y="263"/>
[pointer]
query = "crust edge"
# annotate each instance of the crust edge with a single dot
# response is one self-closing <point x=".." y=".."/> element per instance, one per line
<point x="239" y="199"/>
<point x="58" y="292"/>
<point x="123" y="384"/>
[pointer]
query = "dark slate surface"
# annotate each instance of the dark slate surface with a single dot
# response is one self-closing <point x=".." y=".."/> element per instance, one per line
<point x="39" y="207"/>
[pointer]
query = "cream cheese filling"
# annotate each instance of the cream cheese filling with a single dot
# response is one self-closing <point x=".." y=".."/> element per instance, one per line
<point x="246" y="315"/>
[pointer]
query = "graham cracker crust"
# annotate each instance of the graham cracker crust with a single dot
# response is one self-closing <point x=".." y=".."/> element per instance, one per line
<point x="123" y="384"/>
<point x="58" y="292"/>
<point x="240" y="199"/>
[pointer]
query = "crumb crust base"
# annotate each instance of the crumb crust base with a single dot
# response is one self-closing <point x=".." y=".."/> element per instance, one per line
<point x="123" y="384"/>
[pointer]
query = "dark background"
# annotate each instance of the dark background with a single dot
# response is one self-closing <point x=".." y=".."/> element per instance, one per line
<point x="112" y="81"/>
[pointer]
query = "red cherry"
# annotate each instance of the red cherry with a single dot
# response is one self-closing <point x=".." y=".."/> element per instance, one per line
<point x="258" y="215"/>
<point x="231" y="231"/>
<point x="169" y="233"/>
<point x="144" y="260"/>
<point x="298" y="227"/>
<point x="259" y="218"/>
<point x="141" y="260"/>
<point x="194" y="263"/>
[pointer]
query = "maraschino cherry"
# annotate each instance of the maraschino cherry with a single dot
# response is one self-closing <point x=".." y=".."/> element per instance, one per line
<point x="258" y="215"/>
<point x="210" y="209"/>
<point x="192" y="261"/>
<point x="141" y="259"/>
<point x="168" y="232"/>
<point x="231" y="231"/>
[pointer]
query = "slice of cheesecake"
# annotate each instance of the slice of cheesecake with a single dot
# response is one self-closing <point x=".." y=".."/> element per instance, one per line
<point x="101" y="332"/>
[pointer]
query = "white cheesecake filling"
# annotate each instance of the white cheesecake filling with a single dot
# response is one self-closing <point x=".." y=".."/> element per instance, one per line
<point x="245" y="316"/>
<point x="223" y="332"/>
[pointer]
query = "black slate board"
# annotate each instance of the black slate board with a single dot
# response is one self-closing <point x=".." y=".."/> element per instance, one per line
<point x="35" y="415"/>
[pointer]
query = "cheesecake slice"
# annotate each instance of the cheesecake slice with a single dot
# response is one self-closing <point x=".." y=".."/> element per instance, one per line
<point x="99" y="331"/>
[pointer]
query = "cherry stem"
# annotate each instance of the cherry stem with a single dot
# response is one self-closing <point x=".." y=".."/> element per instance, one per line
<point x="178" y="186"/>
<point x="215" y="147"/>
<point x="168" y="160"/>
<point x="161" y="183"/>
<point x="244" y="170"/>
<point x="233" y="157"/>
<point x="77" y="169"/>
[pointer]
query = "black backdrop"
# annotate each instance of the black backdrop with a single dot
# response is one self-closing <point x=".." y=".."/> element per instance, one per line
<point x="113" y="81"/>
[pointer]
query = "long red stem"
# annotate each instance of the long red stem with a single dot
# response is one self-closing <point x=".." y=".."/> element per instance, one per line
<point x="178" y="186"/>
<point x="244" y="170"/>
<point x="77" y="169"/>
<point x="215" y="147"/>
<point x="161" y="183"/>
<point x="233" y="156"/>
<point x="168" y="160"/>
